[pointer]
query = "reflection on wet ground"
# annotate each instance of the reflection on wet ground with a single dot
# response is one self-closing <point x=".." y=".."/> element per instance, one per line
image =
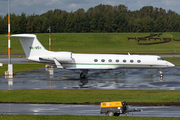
<point x="122" y="79"/>
<point x="92" y="110"/>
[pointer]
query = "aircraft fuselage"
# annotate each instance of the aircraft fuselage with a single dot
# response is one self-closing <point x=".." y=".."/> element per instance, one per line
<point x="106" y="61"/>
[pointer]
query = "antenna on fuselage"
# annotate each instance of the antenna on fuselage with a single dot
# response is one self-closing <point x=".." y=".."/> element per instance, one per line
<point x="129" y="53"/>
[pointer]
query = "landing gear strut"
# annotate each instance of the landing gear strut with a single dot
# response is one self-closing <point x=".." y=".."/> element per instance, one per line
<point x="161" y="74"/>
<point x="83" y="74"/>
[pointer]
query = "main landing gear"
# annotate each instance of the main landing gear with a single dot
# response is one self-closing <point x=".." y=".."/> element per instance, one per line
<point x="83" y="74"/>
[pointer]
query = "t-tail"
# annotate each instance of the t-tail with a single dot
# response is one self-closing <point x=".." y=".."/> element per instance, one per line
<point x="32" y="47"/>
<point x="35" y="51"/>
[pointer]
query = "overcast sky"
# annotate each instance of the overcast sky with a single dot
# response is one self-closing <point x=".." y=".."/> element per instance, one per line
<point x="42" y="6"/>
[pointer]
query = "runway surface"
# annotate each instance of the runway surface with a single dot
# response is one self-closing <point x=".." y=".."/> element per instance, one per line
<point x="121" y="79"/>
<point x="91" y="110"/>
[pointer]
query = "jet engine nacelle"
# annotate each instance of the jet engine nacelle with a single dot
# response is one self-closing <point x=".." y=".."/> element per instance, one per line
<point x="64" y="56"/>
<point x="60" y="56"/>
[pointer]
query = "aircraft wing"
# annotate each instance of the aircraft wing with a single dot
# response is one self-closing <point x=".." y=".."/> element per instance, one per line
<point x="58" y="64"/>
<point x="54" y="61"/>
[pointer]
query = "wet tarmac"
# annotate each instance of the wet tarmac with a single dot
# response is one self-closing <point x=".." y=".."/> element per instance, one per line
<point x="120" y="79"/>
<point x="90" y="110"/>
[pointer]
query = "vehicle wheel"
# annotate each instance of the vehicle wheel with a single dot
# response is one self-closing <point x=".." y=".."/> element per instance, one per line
<point x="110" y="113"/>
<point x="116" y="114"/>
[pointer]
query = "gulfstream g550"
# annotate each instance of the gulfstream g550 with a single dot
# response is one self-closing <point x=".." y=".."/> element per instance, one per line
<point x="35" y="51"/>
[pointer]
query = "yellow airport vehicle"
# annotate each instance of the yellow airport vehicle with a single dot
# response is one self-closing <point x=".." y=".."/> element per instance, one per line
<point x="113" y="108"/>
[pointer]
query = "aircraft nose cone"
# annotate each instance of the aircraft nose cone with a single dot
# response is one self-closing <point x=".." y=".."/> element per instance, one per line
<point x="170" y="64"/>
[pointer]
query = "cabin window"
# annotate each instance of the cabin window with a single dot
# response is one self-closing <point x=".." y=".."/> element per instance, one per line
<point x="131" y="61"/>
<point x="95" y="60"/>
<point x="110" y="60"/>
<point x="103" y="60"/>
<point x="117" y="60"/>
<point x="139" y="61"/>
<point x="124" y="61"/>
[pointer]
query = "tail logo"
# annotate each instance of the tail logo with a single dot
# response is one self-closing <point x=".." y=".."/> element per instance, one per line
<point x="35" y="48"/>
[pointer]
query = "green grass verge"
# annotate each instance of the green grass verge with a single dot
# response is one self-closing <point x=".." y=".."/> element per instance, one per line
<point x="98" y="43"/>
<point x="92" y="96"/>
<point x="77" y="117"/>
<point x="20" y="67"/>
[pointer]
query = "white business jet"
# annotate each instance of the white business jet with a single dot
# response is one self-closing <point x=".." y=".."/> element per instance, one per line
<point x="35" y="51"/>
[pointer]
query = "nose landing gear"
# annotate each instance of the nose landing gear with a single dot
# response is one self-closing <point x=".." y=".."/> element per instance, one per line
<point x="161" y="74"/>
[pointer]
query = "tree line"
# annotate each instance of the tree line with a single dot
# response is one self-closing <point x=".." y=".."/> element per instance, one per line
<point x="101" y="18"/>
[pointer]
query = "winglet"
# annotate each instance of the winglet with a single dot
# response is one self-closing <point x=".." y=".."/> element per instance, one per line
<point x="58" y="64"/>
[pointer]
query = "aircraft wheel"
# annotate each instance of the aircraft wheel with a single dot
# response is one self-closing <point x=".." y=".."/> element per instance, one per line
<point x="82" y="76"/>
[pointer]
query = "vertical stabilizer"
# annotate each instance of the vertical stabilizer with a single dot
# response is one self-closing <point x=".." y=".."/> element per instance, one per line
<point x="31" y="45"/>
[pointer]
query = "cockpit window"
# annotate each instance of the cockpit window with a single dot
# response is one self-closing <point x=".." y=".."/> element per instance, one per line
<point x="160" y="59"/>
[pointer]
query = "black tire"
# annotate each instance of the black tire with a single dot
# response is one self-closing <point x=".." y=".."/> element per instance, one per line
<point x="110" y="113"/>
<point x="116" y="114"/>
<point x="82" y="76"/>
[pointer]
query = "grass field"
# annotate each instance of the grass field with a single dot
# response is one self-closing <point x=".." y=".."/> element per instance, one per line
<point x="92" y="96"/>
<point x="98" y="43"/>
<point x="76" y="117"/>
<point x="21" y="67"/>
